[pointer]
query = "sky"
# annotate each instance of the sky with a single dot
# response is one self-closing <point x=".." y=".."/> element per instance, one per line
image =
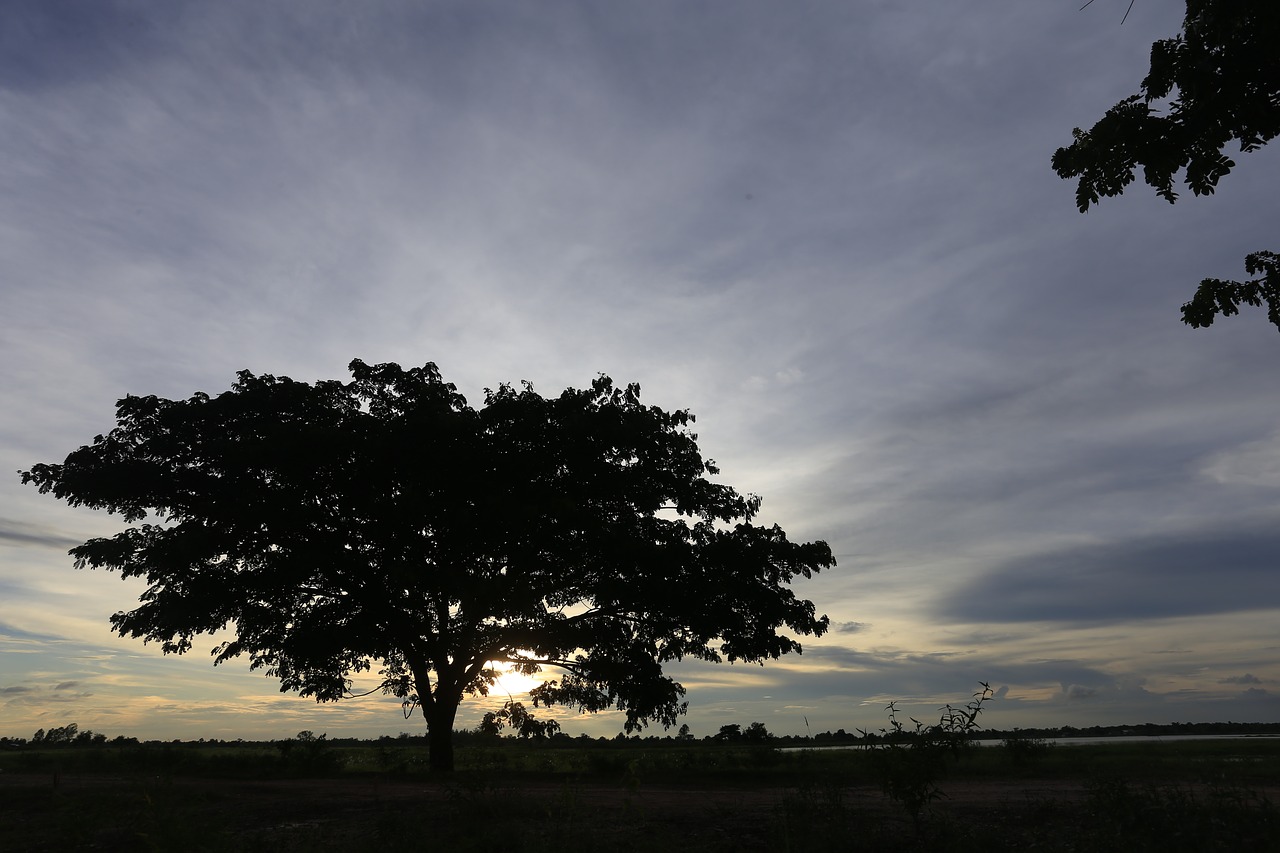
<point x="830" y="230"/>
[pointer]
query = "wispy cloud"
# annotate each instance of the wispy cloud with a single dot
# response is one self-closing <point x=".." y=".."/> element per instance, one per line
<point x="23" y="533"/>
<point x="1210" y="571"/>
<point x="1241" y="679"/>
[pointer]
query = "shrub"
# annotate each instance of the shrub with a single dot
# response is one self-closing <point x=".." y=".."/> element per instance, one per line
<point x="1022" y="749"/>
<point x="911" y="761"/>
<point x="308" y="753"/>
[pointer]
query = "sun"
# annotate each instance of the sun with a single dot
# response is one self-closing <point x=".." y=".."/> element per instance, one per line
<point x="514" y="683"/>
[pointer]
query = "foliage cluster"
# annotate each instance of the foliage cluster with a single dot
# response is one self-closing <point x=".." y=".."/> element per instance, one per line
<point x="755" y="733"/>
<point x="67" y="735"/>
<point x="1215" y="82"/>
<point x="514" y="716"/>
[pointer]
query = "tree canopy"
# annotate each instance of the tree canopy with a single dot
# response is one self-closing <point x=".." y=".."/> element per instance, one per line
<point x="384" y="524"/>
<point x="1218" y="80"/>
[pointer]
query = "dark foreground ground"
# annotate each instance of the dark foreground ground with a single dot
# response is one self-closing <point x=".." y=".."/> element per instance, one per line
<point x="1071" y="802"/>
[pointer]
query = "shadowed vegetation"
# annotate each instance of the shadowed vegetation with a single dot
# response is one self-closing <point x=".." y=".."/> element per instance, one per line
<point x="633" y="795"/>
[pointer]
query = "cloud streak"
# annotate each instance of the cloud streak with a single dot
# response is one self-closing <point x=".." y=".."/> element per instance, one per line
<point x="19" y="533"/>
<point x="1212" y="571"/>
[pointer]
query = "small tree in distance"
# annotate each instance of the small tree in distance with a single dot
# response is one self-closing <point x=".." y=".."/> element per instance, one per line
<point x="384" y="523"/>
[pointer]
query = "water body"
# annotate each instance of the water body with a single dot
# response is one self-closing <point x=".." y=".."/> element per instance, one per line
<point x="1082" y="741"/>
<point x="1073" y="741"/>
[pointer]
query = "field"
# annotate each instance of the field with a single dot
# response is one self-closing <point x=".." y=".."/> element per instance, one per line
<point x="1190" y="795"/>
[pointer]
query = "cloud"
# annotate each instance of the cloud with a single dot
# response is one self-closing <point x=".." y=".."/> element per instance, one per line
<point x="1219" y="570"/>
<point x="52" y="44"/>
<point x="849" y="627"/>
<point x="1110" y="689"/>
<point x="878" y="675"/>
<point x="780" y="379"/>
<point x="22" y="533"/>
<point x="1255" y="463"/>
<point x="1241" y="679"/>
<point x="1079" y="691"/>
<point x="15" y="633"/>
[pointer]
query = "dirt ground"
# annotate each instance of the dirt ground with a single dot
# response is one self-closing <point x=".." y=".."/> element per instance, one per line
<point x="39" y="812"/>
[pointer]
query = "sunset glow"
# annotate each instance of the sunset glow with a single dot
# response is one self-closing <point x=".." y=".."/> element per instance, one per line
<point x="829" y="231"/>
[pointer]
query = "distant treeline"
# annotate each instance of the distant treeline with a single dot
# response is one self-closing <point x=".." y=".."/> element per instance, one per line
<point x="71" y="736"/>
<point x="1141" y="730"/>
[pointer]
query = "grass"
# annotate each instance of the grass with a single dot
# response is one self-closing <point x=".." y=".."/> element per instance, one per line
<point x="1190" y="795"/>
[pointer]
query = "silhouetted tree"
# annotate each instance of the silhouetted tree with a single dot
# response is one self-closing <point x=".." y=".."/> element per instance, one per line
<point x="1221" y="78"/>
<point x="730" y="732"/>
<point x="338" y="527"/>
<point x="490" y="724"/>
<point x="515" y="716"/>
<point x="61" y="734"/>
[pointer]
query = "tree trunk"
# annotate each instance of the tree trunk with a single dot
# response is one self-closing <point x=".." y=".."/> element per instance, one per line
<point x="440" y="734"/>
